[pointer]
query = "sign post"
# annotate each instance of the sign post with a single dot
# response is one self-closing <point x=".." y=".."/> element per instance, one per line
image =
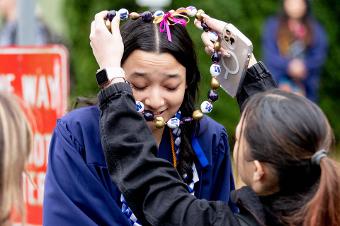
<point x="39" y="76"/>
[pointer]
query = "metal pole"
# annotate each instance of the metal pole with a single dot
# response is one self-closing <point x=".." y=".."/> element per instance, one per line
<point x="26" y="22"/>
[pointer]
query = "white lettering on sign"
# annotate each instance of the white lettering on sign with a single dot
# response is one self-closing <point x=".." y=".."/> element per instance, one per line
<point x="33" y="185"/>
<point x="39" y="154"/>
<point x="42" y="90"/>
<point x="33" y="188"/>
<point x="6" y="82"/>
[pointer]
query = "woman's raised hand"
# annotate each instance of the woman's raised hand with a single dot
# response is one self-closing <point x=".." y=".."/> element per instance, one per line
<point x="107" y="47"/>
<point x="218" y="27"/>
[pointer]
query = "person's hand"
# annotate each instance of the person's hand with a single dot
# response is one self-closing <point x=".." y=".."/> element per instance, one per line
<point x="218" y="27"/>
<point x="215" y="25"/>
<point x="297" y="69"/>
<point x="107" y="48"/>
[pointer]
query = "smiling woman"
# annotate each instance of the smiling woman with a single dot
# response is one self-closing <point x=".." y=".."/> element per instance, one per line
<point x="164" y="77"/>
<point x="159" y="81"/>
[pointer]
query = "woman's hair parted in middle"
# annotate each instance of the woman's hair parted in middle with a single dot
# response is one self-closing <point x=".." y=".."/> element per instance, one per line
<point x="138" y="35"/>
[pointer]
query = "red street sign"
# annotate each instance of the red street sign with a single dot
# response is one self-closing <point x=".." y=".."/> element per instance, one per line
<point x="38" y="75"/>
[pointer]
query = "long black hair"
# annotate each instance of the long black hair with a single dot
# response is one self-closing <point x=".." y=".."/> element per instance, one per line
<point x="139" y="35"/>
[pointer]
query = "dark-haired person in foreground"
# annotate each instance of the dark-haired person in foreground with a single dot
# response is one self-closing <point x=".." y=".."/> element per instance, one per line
<point x="281" y="153"/>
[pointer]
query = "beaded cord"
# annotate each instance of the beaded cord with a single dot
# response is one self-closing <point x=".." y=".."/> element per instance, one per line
<point x="165" y="20"/>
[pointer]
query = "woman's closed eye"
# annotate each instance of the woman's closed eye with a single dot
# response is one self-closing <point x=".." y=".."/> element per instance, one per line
<point x="171" y="88"/>
<point x="138" y="88"/>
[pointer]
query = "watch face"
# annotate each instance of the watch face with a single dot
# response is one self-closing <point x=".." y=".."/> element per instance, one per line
<point x="101" y="77"/>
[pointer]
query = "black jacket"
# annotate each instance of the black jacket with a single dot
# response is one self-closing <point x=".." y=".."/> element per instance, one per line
<point x="151" y="186"/>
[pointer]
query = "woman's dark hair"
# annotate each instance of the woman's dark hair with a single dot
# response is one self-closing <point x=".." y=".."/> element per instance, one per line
<point x="147" y="37"/>
<point x="139" y="35"/>
<point x="285" y="37"/>
<point x="285" y="130"/>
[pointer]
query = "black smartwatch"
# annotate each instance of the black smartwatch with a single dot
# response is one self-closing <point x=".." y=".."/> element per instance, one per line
<point x="105" y="75"/>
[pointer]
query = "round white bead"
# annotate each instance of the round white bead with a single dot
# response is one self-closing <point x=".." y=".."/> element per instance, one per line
<point x="212" y="36"/>
<point x="191" y="11"/>
<point x="158" y="13"/>
<point x="123" y="14"/>
<point x="206" y="107"/>
<point x="173" y="123"/>
<point x="215" y="70"/>
<point x="139" y="106"/>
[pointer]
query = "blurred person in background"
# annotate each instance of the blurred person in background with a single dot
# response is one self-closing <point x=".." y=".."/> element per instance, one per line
<point x="15" y="147"/>
<point x="8" y="32"/>
<point x="295" y="47"/>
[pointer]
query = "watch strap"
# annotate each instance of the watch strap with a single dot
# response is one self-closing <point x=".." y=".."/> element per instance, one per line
<point x="106" y="75"/>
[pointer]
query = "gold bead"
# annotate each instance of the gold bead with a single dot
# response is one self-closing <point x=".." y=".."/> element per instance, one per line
<point x="197" y="115"/>
<point x="134" y="15"/>
<point x="217" y="46"/>
<point x="159" y="122"/>
<point x="214" y="83"/>
<point x="108" y="25"/>
<point x="199" y="14"/>
<point x="157" y="19"/>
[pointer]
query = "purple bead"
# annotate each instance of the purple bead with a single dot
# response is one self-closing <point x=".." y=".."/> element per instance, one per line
<point x="215" y="57"/>
<point x="213" y="95"/>
<point x="110" y="15"/>
<point x="147" y="16"/>
<point x="205" y="27"/>
<point x="186" y="119"/>
<point x="148" y="115"/>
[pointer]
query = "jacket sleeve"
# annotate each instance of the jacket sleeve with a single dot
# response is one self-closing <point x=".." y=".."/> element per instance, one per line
<point x="222" y="172"/>
<point x="257" y="79"/>
<point x="316" y="54"/>
<point x="271" y="54"/>
<point x="151" y="186"/>
<point x="71" y="194"/>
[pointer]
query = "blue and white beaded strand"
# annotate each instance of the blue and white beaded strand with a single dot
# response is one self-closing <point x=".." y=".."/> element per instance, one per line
<point x="215" y="68"/>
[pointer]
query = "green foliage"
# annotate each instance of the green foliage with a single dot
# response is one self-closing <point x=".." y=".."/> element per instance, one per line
<point x="248" y="16"/>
